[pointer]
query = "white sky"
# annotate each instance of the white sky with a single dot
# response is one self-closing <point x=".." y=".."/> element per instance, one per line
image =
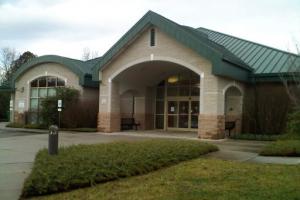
<point x="66" y="27"/>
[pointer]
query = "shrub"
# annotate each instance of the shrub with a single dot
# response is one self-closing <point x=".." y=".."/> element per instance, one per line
<point x="282" y="148"/>
<point x="293" y="123"/>
<point x="49" y="111"/>
<point x="80" y="129"/>
<point x="35" y="126"/>
<point x="84" y="165"/>
<point x="259" y="137"/>
<point x="15" y="125"/>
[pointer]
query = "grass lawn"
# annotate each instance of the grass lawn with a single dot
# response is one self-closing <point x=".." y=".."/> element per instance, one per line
<point x="199" y="179"/>
<point x="85" y="165"/>
<point x="282" y="148"/>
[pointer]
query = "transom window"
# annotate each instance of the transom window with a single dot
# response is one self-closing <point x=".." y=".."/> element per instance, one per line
<point x="41" y="88"/>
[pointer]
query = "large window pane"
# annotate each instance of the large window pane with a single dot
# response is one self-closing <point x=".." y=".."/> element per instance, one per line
<point x="42" y="82"/>
<point x="195" y="91"/>
<point x="51" y="92"/>
<point x="195" y="107"/>
<point x="43" y="92"/>
<point x="34" y="104"/>
<point x="159" y="107"/>
<point x="183" y="107"/>
<point x="172" y="121"/>
<point x="183" y="121"/>
<point x="172" y="91"/>
<point x="34" y="83"/>
<point x="51" y="82"/>
<point x="184" y="90"/>
<point x="194" y="121"/>
<point x="34" y="92"/>
<point x="159" y="121"/>
<point x="160" y="93"/>
<point x="172" y="107"/>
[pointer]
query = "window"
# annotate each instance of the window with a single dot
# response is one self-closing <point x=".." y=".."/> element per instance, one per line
<point x="152" y="37"/>
<point x="41" y="88"/>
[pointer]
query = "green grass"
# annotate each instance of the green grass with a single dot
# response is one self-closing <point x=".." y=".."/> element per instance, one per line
<point x="199" y="179"/>
<point x="85" y="165"/>
<point x="282" y="148"/>
<point x="259" y="137"/>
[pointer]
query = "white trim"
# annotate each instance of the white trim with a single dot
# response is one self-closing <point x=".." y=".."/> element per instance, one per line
<point x="201" y="93"/>
<point x="166" y="59"/>
<point x="233" y="84"/>
<point x="156" y="58"/>
<point x="48" y="74"/>
<point x="109" y="96"/>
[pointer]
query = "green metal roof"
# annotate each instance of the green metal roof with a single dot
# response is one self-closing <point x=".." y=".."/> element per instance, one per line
<point x="230" y="56"/>
<point x="81" y="68"/>
<point x="6" y="87"/>
<point x="265" y="61"/>
<point x="223" y="61"/>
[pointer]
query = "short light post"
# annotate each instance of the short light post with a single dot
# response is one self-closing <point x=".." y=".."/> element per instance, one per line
<point x="53" y="140"/>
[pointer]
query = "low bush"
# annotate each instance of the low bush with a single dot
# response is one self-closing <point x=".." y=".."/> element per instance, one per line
<point x="79" y="129"/>
<point x="260" y="137"/>
<point x="282" y="148"/>
<point x="35" y="126"/>
<point x="15" y="125"/>
<point x="85" y="165"/>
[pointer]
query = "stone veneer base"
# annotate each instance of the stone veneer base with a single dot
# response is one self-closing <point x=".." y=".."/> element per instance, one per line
<point x="211" y="126"/>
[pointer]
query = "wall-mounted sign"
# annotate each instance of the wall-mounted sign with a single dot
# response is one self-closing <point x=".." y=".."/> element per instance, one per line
<point x="103" y="101"/>
<point x="172" y="109"/>
<point x="59" y="103"/>
<point x="21" y="104"/>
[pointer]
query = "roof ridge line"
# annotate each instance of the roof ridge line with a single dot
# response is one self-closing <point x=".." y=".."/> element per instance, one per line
<point x="294" y="54"/>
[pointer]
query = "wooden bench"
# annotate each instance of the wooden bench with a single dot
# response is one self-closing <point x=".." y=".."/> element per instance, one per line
<point x="229" y="126"/>
<point x="129" y="123"/>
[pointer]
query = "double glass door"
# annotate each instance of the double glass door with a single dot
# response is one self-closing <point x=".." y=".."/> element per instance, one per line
<point x="182" y="114"/>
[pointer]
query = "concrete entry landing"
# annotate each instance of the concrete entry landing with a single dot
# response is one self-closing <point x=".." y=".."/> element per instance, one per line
<point x="159" y="134"/>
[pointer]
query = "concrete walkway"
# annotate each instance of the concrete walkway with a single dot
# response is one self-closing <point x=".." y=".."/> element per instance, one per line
<point x="19" y="146"/>
<point x="237" y="150"/>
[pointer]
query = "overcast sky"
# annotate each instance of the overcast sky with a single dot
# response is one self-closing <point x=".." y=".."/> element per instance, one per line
<point x="66" y="27"/>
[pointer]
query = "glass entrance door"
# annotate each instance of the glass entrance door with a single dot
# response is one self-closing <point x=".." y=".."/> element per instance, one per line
<point x="182" y="114"/>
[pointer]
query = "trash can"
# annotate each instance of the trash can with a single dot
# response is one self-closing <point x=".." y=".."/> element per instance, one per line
<point x="53" y="140"/>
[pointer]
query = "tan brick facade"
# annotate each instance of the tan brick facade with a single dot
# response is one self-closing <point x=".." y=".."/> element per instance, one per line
<point x="212" y="88"/>
<point x="108" y="122"/>
<point x="211" y="126"/>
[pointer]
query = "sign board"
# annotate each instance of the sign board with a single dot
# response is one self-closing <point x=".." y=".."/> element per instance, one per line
<point x="21" y="104"/>
<point x="59" y="103"/>
<point x="11" y="105"/>
<point x="172" y="109"/>
<point x="59" y="109"/>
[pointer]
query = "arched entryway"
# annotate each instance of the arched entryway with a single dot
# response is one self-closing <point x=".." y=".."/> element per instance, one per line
<point x="233" y="110"/>
<point x="159" y="95"/>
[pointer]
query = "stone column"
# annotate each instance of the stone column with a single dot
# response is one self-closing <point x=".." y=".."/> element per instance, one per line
<point x="109" y="108"/>
<point x="211" y="126"/>
<point x="211" y="121"/>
